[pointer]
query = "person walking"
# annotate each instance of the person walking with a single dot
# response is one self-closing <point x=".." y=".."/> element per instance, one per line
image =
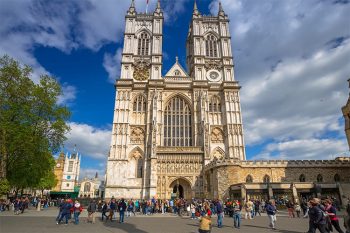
<point x="271" y="213"/>
<point x="332" y="213"/>
<point x="104" y="210"/>
<point x="91" y="211"/>
<point x="317" y="219"/>
<point x="297" y="209"/>
<point x="248" y="207"/>
<point x="219" y="212"/>
<point x="77" y="210"/>
<point x="65" y="212"/>
<point x="205" y="224"/>
<point x="347" y="218"/>
<point x="237" y="210"/>
<point x="290" y="207"/>
<point x="121" y="208"/>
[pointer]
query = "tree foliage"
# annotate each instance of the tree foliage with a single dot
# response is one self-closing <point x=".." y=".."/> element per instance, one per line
<point x="4" y="186"/>
<point x="32" y="124"/>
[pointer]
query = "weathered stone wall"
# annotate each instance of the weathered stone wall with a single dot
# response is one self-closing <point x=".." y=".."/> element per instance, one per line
<point x="223" y="176"/>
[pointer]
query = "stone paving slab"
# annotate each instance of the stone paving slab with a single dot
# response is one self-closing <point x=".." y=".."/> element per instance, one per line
<point x="31" y="223"/>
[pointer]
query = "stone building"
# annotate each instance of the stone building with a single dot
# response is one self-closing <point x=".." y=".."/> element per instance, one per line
<point x="287" y="179"/>
<point x="165" y="129"/>
<point x="67" y="171"/>
<point x="346" y="113"/>
<point x="90" y="187"/>
<point x="181" y="135"/>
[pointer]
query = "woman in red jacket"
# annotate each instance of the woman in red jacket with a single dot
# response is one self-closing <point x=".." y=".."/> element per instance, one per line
<point x="332" y="213"/>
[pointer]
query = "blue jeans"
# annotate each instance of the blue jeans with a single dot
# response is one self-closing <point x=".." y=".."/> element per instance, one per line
<point x="64" y="215"/>
<point x="237" y="219"/>
<point x="193" y="216"/>
<point x="121" y="216"/>
<point x="219" y="220"/>
<point x="76" y="217"/>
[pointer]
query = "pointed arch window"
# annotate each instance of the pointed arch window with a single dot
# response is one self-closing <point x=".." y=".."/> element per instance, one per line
<point x="249" y="179"/>
<point x="139" y="168"/>
<point x="139" y="104"/>
<point x="302" y="178"/>
<point x="215" y="104"/>
<point x="87" y="187"/>
<point x="177" y="123"/>
<point x="211" y="46"/>
<point x="336" y="178"/>
<point x="266" y="179"/>
<point x="319" y="178"/>
<point x="143" y="44"/>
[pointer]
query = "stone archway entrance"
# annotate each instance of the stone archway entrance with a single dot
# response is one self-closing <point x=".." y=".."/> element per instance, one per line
<point x="181" y="188"/>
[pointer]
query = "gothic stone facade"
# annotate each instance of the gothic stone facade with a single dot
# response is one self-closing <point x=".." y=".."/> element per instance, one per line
<point x="166" y="129"/>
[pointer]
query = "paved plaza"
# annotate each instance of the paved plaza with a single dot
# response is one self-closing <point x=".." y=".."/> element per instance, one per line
<point x="44" y="221"/>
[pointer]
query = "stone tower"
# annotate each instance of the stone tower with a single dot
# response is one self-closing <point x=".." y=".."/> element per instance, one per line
<point x="165" y="129"/>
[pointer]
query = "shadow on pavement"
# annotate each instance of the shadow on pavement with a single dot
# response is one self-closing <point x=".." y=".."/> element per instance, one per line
<point x="277" y="230"/>
<point x="127" y="227"/>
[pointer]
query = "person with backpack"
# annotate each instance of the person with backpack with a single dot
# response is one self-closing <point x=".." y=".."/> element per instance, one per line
<point x="332" y="213"/>
<point x="317" y="218"/>
<point x="65" y="212"/>
<point x="91" y="211"/>
<point x="219" y="212"/>
<point x="77" y="210"/>
<point x="121" y="208"/>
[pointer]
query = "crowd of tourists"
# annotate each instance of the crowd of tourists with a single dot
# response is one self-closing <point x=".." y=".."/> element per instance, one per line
<point x="322" y="214"/>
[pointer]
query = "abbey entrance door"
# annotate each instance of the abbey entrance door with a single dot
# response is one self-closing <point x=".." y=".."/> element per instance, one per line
<point x="181" y="188"/>
<point x="178" y="172"/>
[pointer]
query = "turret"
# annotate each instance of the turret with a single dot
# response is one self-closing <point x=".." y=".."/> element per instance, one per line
<point x="132" y="9"/>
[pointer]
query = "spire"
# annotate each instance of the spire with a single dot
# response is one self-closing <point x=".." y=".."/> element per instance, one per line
<point x="158" y="8"/>
<point x="221" y="10"/>
<point x="195" y="8"/>
<point x="132" y="7"/>
<point x="96" y="175"/>
<point x="177" y="59"/>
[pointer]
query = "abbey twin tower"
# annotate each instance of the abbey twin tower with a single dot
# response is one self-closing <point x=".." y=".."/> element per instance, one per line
<point x="166" y="129"/>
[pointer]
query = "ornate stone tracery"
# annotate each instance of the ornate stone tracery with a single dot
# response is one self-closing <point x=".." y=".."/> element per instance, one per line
<point x="137" y="135"/>
<point x="217" y="136"/>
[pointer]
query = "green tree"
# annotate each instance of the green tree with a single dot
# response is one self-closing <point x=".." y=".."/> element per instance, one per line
<point x="32" y="124"/>
<point x="4" y="186"/>
<point x="47" y="182"/>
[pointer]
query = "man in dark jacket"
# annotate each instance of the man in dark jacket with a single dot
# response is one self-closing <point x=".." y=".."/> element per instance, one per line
<point x="219" y="213"/>
<point x="317" y="219"/>
<point x="121" y="208"/>
<point x="271" y="213"/>
<point x="65" y="211"/>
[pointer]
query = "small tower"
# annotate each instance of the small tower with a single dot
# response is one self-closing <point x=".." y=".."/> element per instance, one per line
<point x="346" y="114"/>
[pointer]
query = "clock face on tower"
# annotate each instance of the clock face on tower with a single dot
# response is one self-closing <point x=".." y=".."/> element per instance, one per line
<point x="58" y="165"/>
<point x="213" y="76"/>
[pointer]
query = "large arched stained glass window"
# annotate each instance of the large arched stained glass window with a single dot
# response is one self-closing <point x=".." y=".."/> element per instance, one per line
<point x="87" y="187"/>
<point x="177" y="123"/>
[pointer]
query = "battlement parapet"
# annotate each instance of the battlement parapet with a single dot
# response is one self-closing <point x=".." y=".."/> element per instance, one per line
<point x="345" y="162"/>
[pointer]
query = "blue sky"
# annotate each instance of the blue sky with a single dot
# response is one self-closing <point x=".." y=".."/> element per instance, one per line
<point x="291" y="58"/>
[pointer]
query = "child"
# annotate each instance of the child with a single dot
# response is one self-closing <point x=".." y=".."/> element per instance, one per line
<point x="205" y="224"/>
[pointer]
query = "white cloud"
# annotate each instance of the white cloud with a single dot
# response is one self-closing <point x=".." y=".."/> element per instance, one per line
<point x="68" y="94"/>
<point x="292" y="63"/>
<point x="308" y="149"/>
<point x="91" y="172"/>
<point x="112" y="64"/>
<point x="90" y="141"/>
